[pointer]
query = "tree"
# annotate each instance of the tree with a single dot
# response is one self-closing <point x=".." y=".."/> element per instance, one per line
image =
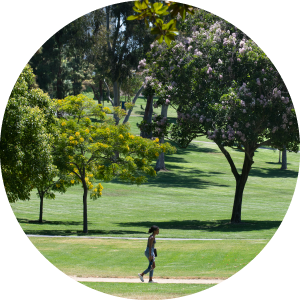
<point x="26" y="134"/>
<point x="88" y="150"/>
<point x="127" y="42"/>
<point x="48" y="182"/>
<point x="284" y="159"/>
<point x="154" y="13"/>
<point x="224" y="87"/>
<point x="60" y="64"/>
<point x="96" y="54"/>
<point x="131" y="85"/>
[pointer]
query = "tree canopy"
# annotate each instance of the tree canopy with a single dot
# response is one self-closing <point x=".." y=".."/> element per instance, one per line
<point x="224" y="87"/>
<point x="89" y="146"/>
<point x="26" y="135"/>
<point x="154" y="13"/>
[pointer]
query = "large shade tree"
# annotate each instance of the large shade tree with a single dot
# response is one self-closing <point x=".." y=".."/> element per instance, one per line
<point x="127" y="42"/>
<point x="224" y="87"/>
<point x="60" y="64"/>
<point x="90" y="147"/>
<point x="26" y="137"/>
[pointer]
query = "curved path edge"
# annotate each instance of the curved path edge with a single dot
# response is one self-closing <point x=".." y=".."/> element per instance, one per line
<point x="131" y="238"/>
<point x="137" y="280"/>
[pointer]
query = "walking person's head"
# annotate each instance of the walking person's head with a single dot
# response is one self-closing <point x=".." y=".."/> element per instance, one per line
<point x="154" y="229"/>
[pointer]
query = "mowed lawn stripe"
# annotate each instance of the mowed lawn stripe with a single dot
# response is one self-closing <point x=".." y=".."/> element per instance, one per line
<point x="125" y="258"/>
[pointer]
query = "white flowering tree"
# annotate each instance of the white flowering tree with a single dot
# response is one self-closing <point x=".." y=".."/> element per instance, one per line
<point x="224" y="87"/>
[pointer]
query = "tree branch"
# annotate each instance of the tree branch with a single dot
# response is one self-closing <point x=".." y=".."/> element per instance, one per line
<point x="265" y="143"/>
<point x="107" y="27"/>
<point x="133" y="101"/>
<point x="230" y="161"/>
<point x="108" y="93"/>
<point x="116" y="34"/>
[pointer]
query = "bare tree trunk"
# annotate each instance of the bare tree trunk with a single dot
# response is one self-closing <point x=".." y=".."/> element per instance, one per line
<point x="239" y="190"/>
<point x="96" y="94"/>
<point x="240" y="182"/>
<point x="160" y="163"/>
<point x="133" y="101"/>
<point x="279" y="157"/>
<point x="85" y="193"/>
<point x="41" y="194"/>
<point x="284" y="159"/>
<point x="148" y="116"/>
<point x="100" y="92"/>
<point x="116" y="87"/>
<point x="108" y="93"/>
<point x="85" y="225"/>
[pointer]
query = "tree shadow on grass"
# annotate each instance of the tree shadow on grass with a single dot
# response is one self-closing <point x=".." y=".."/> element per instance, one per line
<point x="275" y="163"/>
<point x="192" y="148"/>
<point x="208" y="225"/>
<point x="61" y="232"/>
<point x="199" y="148"/>
<point x="45" y="229"/>
<point x="273" y="173"/>
<point x="186" y="178"/>
<point x="46" y="222"/>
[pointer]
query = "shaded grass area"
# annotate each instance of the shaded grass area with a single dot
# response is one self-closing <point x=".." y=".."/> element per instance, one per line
<point x="193" y="199"/>
<point x="147" y="291"/>
<point x="125" y="258"/>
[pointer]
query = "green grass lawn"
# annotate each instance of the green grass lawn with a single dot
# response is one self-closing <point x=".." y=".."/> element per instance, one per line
<point x="192" y="200"/>
<point x="138" y="112"/>
<point x="125" y="258"/>
<point x="147" y="291"/>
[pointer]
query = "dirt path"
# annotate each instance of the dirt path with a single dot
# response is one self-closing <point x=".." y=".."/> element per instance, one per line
<point x="137" y="280"/>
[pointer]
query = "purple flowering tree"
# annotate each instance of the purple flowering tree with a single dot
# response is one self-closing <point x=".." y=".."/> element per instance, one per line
<point x="224" y="87"/>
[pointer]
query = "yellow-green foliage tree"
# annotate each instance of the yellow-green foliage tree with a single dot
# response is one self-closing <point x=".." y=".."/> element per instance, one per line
<point x="90" y="147"/>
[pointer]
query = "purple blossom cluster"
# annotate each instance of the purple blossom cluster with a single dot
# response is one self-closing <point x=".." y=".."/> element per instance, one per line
<point x="276" y="93"/>
<point x="231" y="134"/>
<point x="142" y="63"/>
<point x="231" y="121"/>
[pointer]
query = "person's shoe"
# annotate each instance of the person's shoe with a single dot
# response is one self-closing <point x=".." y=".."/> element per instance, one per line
<point x="141" y="277"/>
<point x="152" y="281"/>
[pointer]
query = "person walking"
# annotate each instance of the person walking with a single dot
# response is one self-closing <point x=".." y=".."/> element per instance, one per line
<point x="149" y="253"/>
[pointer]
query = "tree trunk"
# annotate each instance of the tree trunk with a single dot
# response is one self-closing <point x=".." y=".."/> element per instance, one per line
<point x="108" y="93"/>
<point x="133" y="101"/>
<point x="85" y="192"/>
<point x="279" y="156"/>
<point x="284" y="159"/>
<point x="160" y="163"/>
<point x="101" y="92"/>
<point x="59" y="82"/>
<point x="41" y="207"/>
<point x="239" y="190"/>
<point x="148" y="116"/>
<point x="116" y="87"/>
